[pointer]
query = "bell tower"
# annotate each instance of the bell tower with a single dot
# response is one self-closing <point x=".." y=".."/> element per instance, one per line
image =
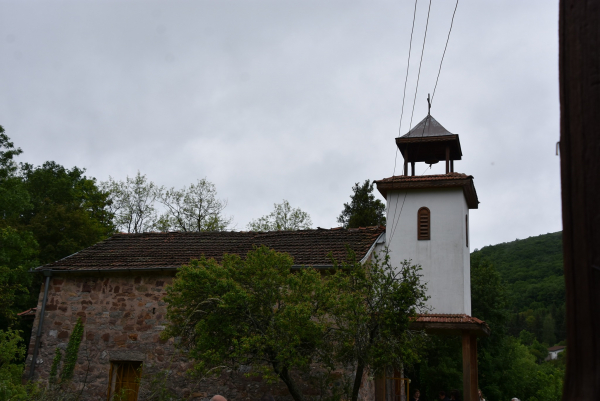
<point x="428" y="216"/>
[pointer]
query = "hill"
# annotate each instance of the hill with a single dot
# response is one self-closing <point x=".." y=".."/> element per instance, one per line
<point x="532" y="269"/>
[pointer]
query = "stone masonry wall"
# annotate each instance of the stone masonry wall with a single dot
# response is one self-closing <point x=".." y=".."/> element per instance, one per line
<point x="124" y="315"/>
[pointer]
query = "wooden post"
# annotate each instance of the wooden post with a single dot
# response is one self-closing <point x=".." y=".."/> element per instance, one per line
<point x="452" y="165"/>
<point x="447" y="159"/>
<point x="406" y="161"/>
<point x="474" y="369"/>
<point x="579" y="52"/>
<point x="412" y="166"/>
<point x="467" y="361"/>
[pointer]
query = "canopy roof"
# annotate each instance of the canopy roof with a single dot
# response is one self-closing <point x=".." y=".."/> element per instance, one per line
<point x="428" y="142"/>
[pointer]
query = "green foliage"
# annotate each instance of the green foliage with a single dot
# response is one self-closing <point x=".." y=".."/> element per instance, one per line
<point x="132" y="203"/>
<point x="12" y="352"/>
<point x="372" y="312"/>
<point x="72" y="351"/>
<point x="68" y="211"/>
<point x="55" y="365"/>
<point x="533" y="271"/>
<point x="18" y="251"/>
<point x="258" y="314"/>
<point x="508" y="366"/>
<point x="194" y="208"/>
<point x="7" y="152"/>
<point x="363" y="210"/>
<point x="252" y="312"/>
<point x="283" y="217"/>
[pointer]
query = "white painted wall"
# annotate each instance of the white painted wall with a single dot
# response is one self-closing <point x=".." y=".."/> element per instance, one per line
<point x="445" y="258"/>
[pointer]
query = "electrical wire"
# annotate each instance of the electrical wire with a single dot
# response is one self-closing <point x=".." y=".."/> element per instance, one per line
<point x="420" y="63"/>
<point x="443" y="54"/>
<point x="405" y="81"/>
<point x="395" y="220"/>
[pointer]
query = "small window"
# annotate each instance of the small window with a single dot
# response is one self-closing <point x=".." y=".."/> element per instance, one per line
<point x="423" y="224"/>
<point x="467" y="229"/>
<point x="124" y="380"/>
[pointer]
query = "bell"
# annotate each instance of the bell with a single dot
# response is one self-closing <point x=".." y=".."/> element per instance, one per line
<point x="431" y="161"/>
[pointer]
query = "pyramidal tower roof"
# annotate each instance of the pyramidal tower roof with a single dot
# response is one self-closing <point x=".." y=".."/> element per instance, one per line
<point x="427" y="127"/>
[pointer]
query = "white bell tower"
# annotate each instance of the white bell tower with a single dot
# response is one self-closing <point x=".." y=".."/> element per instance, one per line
<point x="428" y="216"/>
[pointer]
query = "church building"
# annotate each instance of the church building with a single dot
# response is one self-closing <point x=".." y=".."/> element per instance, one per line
<point x="116" y="287"/>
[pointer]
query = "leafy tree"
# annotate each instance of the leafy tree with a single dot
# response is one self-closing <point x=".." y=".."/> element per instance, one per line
<point x="132" y="203"/>
<point x="12" y="352"/>
<point x="194" y="209"/>
<point x="14" y="198"/>
<point x="18" y="252"/>
<point x="283" y="217"/>
<point x="69" y="212"/>
<point x="375" y="304"/>
<point x="253" y="312"/>
<point x="7" y="165"/>
<point x="363" y="210"/>
<point x="256" y="312"/>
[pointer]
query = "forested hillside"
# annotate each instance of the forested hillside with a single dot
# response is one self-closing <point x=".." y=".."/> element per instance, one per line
<point x="518" y="289"/>
<point x="532" y="269"/>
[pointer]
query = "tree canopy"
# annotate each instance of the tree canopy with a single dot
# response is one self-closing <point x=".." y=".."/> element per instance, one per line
<point x="257" y="313"/>
<point x="363" y="210"/>
<point x="283" y="217"/>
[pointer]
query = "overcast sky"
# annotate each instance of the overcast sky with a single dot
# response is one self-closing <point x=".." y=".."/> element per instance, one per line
<point x="295" y="100"/>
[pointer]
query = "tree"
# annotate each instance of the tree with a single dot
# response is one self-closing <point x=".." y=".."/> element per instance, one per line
<point x="14" y="198"/>
<point x="194" y="209"/>
<point x="363" y="210"/>
<point x="251" y="312"/>
<point x="18" y="252"/>
<point x="375" y="303"/>
<point x="12" y="353"/>
<point x="255" y="312"/>
<point x="284" y="218"/>
<point x="68" y="213"/>
<point x="132" y="203"/>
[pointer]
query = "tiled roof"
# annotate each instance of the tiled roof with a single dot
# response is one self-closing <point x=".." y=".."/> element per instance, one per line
<point x="27" y="313"/>
<point x="556" y="348"/>
<point x="404" y="182"/>
<point x="173" y="249"/>
<point x="447" y="318"/>
<point x="450" y="323"/>
<point x="433" y="177"/>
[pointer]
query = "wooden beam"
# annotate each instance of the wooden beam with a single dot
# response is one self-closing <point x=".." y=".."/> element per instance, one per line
<point x="412" y="166"/>
<point x="474" y="369"/>
<point x="452" y="165"/>
<point x="466" y="357"/>
<point x="579" y="52"/>
<point x="406" y="161"/>
<point x="447" y="159"/>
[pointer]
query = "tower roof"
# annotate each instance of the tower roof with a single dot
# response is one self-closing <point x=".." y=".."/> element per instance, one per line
<point x="429" y="126"/>
<point x="429" y="142"/>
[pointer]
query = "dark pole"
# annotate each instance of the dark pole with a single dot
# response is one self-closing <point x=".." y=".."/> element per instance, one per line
<point x="579" y="63"/>
<point x="38" y="336"/>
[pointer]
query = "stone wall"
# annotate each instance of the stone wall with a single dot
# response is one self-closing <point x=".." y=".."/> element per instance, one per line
<point x="124" y="315"/>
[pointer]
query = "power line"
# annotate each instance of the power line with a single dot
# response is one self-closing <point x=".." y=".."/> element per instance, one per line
<point x="403" y="98"/>
<point x="420" y="63"/>
<point x="394" y="220"/>
<point x="405" y="81"/>
<point x="445" y="47"/>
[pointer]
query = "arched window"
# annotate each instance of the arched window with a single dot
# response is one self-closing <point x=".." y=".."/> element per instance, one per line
<point x="423" y="224"/>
